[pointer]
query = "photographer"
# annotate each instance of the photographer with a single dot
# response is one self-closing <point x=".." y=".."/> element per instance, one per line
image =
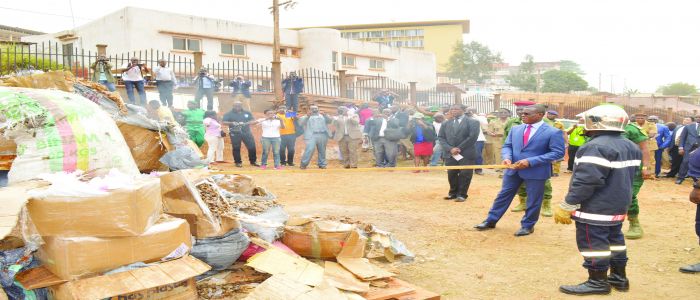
<point x="132" y="75"/>
<point x="166" y="82"/>
<point x="102" y="73"/>
<point x="241" y="90"/>
<point x="206" y="85"/>
<point x="292" y="86"/>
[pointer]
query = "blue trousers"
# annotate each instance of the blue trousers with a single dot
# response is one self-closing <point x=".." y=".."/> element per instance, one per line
<point x="511" y="183"/>
<point x="130" y="85"/>
<point x="437" y="155"/>
<point x="292" y="101"/>
<point x="165" y="92"/>
<point x="658" y="157"/>
<point x="601" y="246"/>
<point x="317" y="141"/>
<point x="273" y="143"/>
<point x="480" y="153"/>
<point x="108" y="85"/>
<point x="287" y="148"/>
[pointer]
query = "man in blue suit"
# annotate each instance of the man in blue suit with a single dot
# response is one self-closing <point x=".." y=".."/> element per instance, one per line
<point x="663" y="141"/>
<point x="529" y="149"/>
<point x="690" y="140"/>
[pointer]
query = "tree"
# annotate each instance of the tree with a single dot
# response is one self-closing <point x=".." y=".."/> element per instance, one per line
<point x="525" y="78"/>
<point x="630" y="92"/>
<point x="558" y="81"/>
<point x="571" y="66"/>
<point x="677" y="89"/>
<point x="472" y="61"/>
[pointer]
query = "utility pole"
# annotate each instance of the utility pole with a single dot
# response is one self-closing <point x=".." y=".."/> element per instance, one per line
<point x="276" y="63"/>
<point x="600" y="80"/>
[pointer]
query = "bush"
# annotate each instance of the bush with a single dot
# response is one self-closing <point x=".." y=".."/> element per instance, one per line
<point x="13" y="59"/>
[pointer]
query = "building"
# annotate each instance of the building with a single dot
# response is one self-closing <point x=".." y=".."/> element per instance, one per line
<point x="499" y="78"/>
<point x="10" y="34"/>
<point x="438" y="37"/>
<point x="133" y="29"/>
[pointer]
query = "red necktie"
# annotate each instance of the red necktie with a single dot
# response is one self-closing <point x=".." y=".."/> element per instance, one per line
<point x="526" y="137"/>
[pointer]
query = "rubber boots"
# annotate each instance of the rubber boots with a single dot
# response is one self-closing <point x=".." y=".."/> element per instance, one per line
<point x="520" y="207"/>
<point x="635" y="231"/>
<point x="546" y="208"/>
<point x="618" y="277"/>
<point x="597" y="284"/>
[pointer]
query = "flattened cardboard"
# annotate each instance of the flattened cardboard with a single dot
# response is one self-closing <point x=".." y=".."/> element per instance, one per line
<point x="277" y="262"/>
<point x="395" y="289"/>
<point x="79" y="257"/>
<point x="341" y="278"/>
<point x="122" y="212"/>
<point x="36" y="278"/>
<point x="363" y="269"/>
<point x="279" y="288"/>
<point x="13" y="199"/>
<point x="354" y="246"/>
<point x="167" y="280"/>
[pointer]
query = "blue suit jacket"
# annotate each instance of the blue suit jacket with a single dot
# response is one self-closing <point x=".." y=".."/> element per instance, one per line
<point x="663" y="138"/>
<point x="544" y="147"/>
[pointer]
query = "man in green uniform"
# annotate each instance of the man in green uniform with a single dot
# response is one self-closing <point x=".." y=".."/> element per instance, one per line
<point x="634" y="133"/>
<point x="522" y="194"/>
<point x="494" y="140"/>
<point x="551" y="119"/>
<point x="194" y="122"/>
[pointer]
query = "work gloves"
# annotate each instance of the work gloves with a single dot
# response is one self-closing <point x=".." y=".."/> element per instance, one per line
<point x="562" y="213"/>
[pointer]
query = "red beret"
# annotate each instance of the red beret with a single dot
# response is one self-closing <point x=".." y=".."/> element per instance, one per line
<point x="524" y="103"/>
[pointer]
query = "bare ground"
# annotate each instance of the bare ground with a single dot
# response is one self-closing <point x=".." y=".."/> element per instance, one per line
<point x="459" y="262"/>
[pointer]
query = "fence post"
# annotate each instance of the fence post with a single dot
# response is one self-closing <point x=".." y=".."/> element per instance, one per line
<point x="669" y="114"/>
<point x="101" y="49"/>
<point x="496" y="102"/>
<point x="342" y="86"/>
<point x="413" y="93"/>
<point x="197" y="61"/>
<point x="458" y="96"/>
<point x="562" y="109"/>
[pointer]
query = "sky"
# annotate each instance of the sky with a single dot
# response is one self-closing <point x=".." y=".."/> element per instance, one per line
<point x="638" y="44"/>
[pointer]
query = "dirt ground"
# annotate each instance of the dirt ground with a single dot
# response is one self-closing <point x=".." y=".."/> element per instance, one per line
<point x="459" y="262"/>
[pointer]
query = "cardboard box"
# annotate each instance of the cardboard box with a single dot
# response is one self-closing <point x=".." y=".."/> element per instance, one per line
<point x="79" y="257"/>
<point x="123" y="212"/>
<point x="168" y="280"/>
<point x="181" y="199"/>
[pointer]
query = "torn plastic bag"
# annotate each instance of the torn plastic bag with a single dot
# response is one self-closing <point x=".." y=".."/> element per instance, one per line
<point x="181" y="159"/>
<point x="268" y="225"/>
<point x="12" y="262"/>
<point x="220" y="252"/>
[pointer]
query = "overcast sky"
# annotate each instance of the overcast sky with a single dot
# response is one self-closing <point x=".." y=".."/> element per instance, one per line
<point x="640" y="43"/>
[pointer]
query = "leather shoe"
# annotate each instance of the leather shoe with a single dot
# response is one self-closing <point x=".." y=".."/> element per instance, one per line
<point x="691" y="269"/>
<point x="450" y="197"/>
<point x="524" y="231"/>
<point x="679" y="181"/>
<point x="460" y="199"/>
<point x="485" y="225"/>
<point x="240" y="165"/>
<point x="254" y="164"/>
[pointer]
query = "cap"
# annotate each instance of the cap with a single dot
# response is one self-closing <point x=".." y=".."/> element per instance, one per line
<point x="434" y="109"/>
<point x="523" y="103"/>
<point x="418" y="115"/>
<point x="552" y="112"/>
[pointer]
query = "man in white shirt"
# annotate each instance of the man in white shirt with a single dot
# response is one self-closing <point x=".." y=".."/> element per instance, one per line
<point x="132" y="75"/>
<point x="481" y="139"/>
<point x="166" y="82"/>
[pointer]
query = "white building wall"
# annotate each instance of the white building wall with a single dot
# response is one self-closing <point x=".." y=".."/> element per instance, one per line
<point x="133" y="29"/>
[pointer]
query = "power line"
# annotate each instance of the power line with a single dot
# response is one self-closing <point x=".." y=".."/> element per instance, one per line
<point x="42" y="13"/>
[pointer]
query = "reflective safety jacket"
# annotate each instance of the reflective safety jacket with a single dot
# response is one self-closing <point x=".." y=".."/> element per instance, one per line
<point x="601" y="183"/>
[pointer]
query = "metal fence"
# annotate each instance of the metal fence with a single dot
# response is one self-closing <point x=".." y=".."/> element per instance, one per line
<point x="318" y="82"/>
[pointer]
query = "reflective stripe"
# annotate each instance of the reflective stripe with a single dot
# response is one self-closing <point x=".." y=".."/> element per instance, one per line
<point x="606" y="163"/>
<point x="597" y="217"/>
<point x="618" y="248"/>
<point x="596" y="253"/>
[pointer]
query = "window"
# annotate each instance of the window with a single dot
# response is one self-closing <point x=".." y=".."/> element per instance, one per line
<point x="186" y="44"/>
<point x="420" y="32"/>
<point x="233" y="49"/>
<point x="348" y="61"/>
<point x="283" y="51"/>
<point x="295" y="53"/>
<point x="334" y="59"/>
<point x="411" y="32"/>
<point x="376" y="34"/>
<point x="376" y="64"/>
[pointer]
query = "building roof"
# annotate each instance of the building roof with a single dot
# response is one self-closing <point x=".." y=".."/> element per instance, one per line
<point x="19" y="30"/>
<point x="464" y="23"/>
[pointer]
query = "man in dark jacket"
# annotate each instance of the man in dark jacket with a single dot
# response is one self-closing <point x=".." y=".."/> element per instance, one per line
<point x="240" y="88"/>
<point x="292" y="86"/>
<point x="694" y="172"/>
<point x="385" y="135"/>
<point x="598" y="199"/>
<point x="239" y="129"/>
<point x="206" y="86"/>
<point x="458" y="140"/>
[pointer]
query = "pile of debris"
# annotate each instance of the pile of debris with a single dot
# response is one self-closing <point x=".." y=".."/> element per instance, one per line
<point x="81" y="221"/>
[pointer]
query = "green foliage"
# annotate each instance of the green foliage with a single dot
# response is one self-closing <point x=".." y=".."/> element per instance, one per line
<point x="557" y="81"/>
<point x="571" y="66"/>
<point x="678" y="89"/>
<point x="12" y="59"/>
<point x="525" y="79"/>
<point x="473" y="61"/>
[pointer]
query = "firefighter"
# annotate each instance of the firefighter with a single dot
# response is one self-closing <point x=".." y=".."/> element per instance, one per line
<point x="599" y="196"/>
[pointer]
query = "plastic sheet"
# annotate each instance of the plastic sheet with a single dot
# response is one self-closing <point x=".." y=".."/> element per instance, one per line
<point x="221" y="252"/>
<point x="12" y="262"/>
<point x="268" y="226"/>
